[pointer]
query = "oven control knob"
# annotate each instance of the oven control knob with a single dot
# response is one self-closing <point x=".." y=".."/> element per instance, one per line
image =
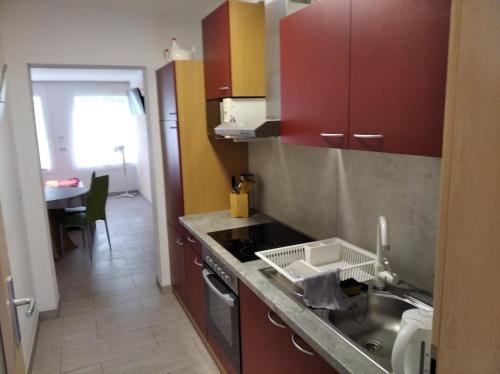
<point x="222" y="274"/>
<point x="228" y="279"/>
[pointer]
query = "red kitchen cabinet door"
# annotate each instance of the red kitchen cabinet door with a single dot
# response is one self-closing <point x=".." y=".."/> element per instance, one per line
<point x="262" y="343"/>
<point x="266" y="342"/>
<point x="216" y="53"/>
<point x="167" y="100"/>
<point x="315" y="75"/>
<point x="195" y="287"/>
<point x="172" y="173"/>
<point x="177" y="266"/>
<point x="398" y="75"/>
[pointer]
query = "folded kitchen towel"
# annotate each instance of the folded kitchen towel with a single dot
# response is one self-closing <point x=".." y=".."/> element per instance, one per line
<point x="323" y="291"/>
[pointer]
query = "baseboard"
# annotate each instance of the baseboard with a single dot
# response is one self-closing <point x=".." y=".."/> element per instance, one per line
<point x="50" y="314"/>
<point x="163" y="289"/>
<point x="112" y="194"/>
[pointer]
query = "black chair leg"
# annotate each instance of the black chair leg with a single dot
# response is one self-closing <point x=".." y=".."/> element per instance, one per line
<point x="90" y="241"/>
<point x="61" y="239"/>
<point x="107" y="232"/>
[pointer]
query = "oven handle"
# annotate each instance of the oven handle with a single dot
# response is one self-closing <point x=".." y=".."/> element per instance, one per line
<point x="224" y="297"/>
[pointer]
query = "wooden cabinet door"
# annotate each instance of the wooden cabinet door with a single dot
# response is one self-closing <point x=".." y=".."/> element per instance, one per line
<point x="176" y="250"/>
<point x="195" y="287"/>
<point x="266" y="342"/>
<point x="302" y="362"/>
<point x="398" y="75"/>
<point x="172" y="172"/>
<point x="262" y="343"/>
<point x="167" y="100"/>
<point x="315" y="75"/>
<point x="216" y="52"/>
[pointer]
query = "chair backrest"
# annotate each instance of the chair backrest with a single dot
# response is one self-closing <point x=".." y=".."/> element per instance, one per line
<point x="96" y="204"/>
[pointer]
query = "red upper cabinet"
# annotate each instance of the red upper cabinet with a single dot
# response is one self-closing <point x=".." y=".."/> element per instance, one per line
<point x="315" y="75"/>
<point x="165" y="78"/>
<point x="398" y="75"/>
<point x="217" y="54"/>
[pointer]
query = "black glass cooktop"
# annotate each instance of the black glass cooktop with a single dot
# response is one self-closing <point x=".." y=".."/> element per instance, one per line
<point x="243" y="242"/>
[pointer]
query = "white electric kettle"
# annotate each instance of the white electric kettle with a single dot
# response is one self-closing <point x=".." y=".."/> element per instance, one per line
<point x="411" y="353"/>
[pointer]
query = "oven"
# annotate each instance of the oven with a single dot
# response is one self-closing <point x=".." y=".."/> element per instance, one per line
<point x="223" y="319"/>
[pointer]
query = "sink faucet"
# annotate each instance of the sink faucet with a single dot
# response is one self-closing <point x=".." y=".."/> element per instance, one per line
<point x="383" y="273"/>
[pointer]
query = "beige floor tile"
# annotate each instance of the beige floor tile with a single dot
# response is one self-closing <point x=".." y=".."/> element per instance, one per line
<point x="78" y="355"/>
<point x="113" y="317"/>
<point x="94" y="369"/>
<point x="47" y="362"/>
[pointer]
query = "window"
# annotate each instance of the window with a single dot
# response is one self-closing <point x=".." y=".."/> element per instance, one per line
<point x="100" y="124"/>
<point x="41" y="133"/>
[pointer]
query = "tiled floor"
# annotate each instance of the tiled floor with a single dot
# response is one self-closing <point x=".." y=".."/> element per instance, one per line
<point x="113" y="318"/>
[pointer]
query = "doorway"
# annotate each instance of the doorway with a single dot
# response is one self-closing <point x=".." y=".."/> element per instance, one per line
<point x="93" y="121"/>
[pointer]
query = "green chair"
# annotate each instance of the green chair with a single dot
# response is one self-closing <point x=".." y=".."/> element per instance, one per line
<point x="80" y="209"/>
<point x="96" y="210"/>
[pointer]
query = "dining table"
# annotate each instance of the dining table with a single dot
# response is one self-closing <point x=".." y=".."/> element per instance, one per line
<point x="57" y="199"/>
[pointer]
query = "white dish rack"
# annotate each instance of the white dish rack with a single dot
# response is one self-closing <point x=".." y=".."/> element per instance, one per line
<point x="299" y="261"/>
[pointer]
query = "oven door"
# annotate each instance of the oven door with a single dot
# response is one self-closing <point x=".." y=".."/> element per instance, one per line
<point x="223" y="320"/>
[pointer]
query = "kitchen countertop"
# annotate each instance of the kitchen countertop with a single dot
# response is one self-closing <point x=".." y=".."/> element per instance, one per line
<point x="325" y="341"/>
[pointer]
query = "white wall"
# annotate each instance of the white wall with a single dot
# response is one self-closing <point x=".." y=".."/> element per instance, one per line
<point x="143" y="164"/>
<point x="57" y="100"/>
<point x="15" y="226"/>
<point x="55" y="33"/>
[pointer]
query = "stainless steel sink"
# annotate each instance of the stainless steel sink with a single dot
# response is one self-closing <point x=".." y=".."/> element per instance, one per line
<point x="370" y="325"/>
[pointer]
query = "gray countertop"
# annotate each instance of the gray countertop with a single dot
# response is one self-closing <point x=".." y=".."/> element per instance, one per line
<point x="327" y="342"/>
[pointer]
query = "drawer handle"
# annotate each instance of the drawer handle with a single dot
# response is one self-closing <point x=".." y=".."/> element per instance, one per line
<point x="277" y="324"/>
<point x="368" y="136"/>
<point x="198" y="263"/>
<point x="328" y="135"/>
<point x="224" y="88"/>
<point x="172" y="113"/>
<point x="191" y="240"/>
<point x="180" y="242"/>
<point x="299" y="348"/>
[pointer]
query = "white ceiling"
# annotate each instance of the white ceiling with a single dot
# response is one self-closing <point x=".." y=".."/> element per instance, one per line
<point x="86" y="75"/>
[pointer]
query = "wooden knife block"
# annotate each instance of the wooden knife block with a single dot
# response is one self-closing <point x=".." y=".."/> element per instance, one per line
<point x="239" y="205"/>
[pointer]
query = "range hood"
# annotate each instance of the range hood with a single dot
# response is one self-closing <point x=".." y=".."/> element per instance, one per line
<point x="245" y="118"/>
<point x="245" y="130"/>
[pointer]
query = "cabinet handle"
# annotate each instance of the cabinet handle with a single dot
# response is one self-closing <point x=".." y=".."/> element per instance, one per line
<point x="180" y="242"/>
<point x="191" y="240"/>
<point x="172" y="113"/>
<point x="198" y="263"/>
<point x="328" y="135"/>
<point x="224" y="88"/>
<point x="368" y="136"/>
<point x="277" y="324"/>
<point x="299" y="348"/>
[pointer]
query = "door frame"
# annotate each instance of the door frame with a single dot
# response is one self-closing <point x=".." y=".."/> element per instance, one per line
<point x="14" y="360"/>
<point x="149" y="130"/>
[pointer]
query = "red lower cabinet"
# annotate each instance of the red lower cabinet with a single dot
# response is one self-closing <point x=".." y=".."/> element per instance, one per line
<point x="176" y="246"/>
<point x="195" y="288"/>
<point x="268" y="345"/>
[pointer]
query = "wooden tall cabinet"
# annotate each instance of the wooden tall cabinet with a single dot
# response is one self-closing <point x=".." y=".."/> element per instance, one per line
<point x="197" y="170"/>
<point x="234" y="50"/>
<point x="466" y="328"/>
